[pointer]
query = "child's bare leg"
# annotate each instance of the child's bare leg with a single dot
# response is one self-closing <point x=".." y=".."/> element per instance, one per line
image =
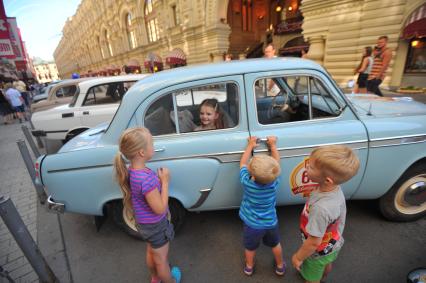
<point x="162" y="264"/>
<point x="249" y="257"/>
<point x="278" y="255"/>
<point x="150" y="261"/>
<point x="327" y="270"/>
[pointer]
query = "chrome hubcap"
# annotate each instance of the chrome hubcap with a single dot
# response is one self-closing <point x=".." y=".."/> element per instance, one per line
<point x="411" y="197"/>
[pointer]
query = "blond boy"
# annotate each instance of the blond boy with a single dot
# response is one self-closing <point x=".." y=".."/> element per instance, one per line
<point x="323" y="218"/>
<point x="260" y="181"/>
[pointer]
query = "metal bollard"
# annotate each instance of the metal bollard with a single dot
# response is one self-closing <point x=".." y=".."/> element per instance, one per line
<point x="30" y="168"/>
<point x="30" y="140"/>
<point x="23" y="238"/>
<point x="38" y="139"/>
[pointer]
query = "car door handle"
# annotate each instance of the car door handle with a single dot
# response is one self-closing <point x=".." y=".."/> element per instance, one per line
<point x="261" y="140"/>
<point x="85" y="112"/>
<point x="159" y="149"/>
<point x="67" y="115"/>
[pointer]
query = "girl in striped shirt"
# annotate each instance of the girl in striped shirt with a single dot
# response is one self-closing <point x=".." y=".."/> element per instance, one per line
<point x="146" y="194"/>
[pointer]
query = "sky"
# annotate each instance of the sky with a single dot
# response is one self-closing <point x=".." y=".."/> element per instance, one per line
<point x="41" y="23"/>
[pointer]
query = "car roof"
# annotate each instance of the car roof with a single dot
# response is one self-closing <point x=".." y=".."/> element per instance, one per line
<point x="84" y="85"/>
<point x="229" y="68"/>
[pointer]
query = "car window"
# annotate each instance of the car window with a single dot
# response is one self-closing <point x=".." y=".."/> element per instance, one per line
<point x="106" y="93"/>
<point x="179" y="111"/>
<point x="296" y="98"/>
<point x="66" y="91"/>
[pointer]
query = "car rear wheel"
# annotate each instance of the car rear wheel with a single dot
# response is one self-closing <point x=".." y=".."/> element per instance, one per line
<point x="406" y="200"/>
<point x="126" y="221"/>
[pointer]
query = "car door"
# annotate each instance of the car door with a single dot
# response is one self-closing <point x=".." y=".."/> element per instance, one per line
<point x="204" y="165"/>
<point x="307" y="112"/>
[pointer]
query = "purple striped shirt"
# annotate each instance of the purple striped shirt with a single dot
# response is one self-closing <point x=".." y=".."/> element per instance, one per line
<point x="143" y="181"/>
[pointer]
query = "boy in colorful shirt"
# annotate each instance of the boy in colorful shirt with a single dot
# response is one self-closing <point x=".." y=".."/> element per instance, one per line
<point x="257" y="208"/>
<point x="323" y="218"/>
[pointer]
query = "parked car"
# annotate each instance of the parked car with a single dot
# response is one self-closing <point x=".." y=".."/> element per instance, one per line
<point x="96" y="100"/>
<point x="60" y="93"/>
<point x="387" y="134"/>
<point x="44" y="92"/>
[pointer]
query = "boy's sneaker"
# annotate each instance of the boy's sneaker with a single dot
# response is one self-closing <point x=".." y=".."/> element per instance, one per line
<point x="248" y="270"/>
<point x="280" y="270"/>
<point x="176" y="274"/>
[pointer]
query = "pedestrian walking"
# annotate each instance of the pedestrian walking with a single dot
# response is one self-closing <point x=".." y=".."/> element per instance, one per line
<point x="22" y="88"/>
<point x="363" y="70"/>
<point x="16" y="101"/>
<point x="6" y="110"/>
<point x="146" y="195"/>
<point x="323" y="218"/>
<point x="382" y="57"/>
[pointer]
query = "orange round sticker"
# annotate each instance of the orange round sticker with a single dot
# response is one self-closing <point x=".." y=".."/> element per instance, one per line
<point x="299" y="180"/>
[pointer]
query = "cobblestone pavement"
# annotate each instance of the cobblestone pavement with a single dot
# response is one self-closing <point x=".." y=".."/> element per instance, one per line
<point x="16" y="184"/>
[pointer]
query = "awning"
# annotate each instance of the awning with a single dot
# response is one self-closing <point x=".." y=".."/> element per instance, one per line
<point x="415" y="26"/>
<point x="113" y="70"/>
<point x="134" y="66"/>
<point x="415" y="29"/>
<point x="153" y="62"/>
<point x="176" y="57"/>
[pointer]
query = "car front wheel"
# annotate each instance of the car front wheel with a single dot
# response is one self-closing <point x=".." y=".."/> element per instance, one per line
<point x="406" y="200"/>
<point x="126" y="221"/>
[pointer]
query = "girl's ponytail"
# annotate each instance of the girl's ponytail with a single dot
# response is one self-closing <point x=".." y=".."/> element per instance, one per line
<point x="122" y="177"/>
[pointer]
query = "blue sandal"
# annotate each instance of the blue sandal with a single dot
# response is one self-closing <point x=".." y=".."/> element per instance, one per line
<point x="176" y="274"/>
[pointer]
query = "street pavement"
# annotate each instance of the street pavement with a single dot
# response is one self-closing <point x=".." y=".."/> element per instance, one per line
<point x="208" y="248"/>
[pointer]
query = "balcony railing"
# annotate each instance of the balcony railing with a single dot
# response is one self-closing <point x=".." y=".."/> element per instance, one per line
<point x="289" y="26"/>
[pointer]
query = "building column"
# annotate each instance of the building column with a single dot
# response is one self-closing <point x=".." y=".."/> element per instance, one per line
<point x="317" y="48"/>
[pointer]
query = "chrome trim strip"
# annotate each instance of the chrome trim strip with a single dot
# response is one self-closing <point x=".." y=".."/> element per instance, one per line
<point x="395" y="141"/>
<point x="53" y="206"/>
<point x="204" y="193"/>
<point x="79" y="168"/>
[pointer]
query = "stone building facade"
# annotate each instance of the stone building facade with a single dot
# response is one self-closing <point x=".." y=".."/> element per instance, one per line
<point x="107" y="34"/>
<point x="46" y="72"/>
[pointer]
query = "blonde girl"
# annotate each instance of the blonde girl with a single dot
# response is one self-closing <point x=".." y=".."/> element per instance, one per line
<point x="211" y="117"/>
<point x="146" y="195"/>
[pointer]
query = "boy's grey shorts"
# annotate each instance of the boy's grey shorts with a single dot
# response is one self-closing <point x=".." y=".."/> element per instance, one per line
<point x="157" y="234"/>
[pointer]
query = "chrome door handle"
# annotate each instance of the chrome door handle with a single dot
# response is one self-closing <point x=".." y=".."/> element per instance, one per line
<point x="159" y="149"/>
<point x="261" y="140"/>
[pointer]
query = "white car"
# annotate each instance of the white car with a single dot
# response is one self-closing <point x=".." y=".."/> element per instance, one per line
<point x="95" y="102"/>
<point x="60" y="93"/>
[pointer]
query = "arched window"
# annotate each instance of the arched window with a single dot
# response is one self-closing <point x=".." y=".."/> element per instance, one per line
<point x="151" y="22"/>
<point x="100" y="47"/>
<point x="108" y="43"/>
<point x="131" y="37"/>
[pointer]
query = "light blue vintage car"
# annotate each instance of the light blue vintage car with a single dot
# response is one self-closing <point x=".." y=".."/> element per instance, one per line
<point x="293" y="99"/>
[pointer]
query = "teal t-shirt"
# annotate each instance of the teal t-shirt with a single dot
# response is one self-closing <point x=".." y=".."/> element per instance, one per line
<point x="257" y="208"/>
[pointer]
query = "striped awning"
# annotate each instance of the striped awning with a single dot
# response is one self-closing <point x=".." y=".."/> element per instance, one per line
<point x="153" y="62"/>
<point x="176" y="57"/>
<point x="415" y="26"/>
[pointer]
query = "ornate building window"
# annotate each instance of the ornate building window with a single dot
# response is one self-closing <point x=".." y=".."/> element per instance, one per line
<point x="247" y="15"/>
<point x="100" y="47"/>
<point x="151" y="22"/>
<point x="108" y="43"/>
<point x="130" y="29"/>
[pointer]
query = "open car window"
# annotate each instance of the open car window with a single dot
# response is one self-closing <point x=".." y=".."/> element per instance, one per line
<point x="179" y="111"/>
<point x="106" y="93"/>
<point x="298" y="98"/>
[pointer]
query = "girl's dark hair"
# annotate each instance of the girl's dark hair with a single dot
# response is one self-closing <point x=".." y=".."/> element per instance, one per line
<point x="213" y="103"/>
<point x="368" y="52"/>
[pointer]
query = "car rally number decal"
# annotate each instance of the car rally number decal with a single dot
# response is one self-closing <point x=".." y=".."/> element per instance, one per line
<point x="299" y="180"/>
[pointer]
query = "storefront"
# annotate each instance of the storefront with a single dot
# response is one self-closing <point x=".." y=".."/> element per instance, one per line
<point x="414" y="32"/>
